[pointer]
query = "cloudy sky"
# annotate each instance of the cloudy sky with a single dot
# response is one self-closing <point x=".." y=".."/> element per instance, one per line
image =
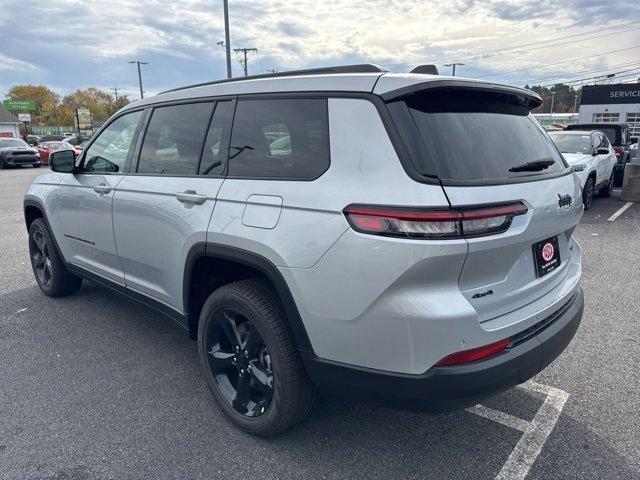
<point x="69" y="44"/>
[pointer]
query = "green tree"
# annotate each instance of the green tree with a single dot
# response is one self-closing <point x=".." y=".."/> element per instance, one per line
<point x="46" y="101"/>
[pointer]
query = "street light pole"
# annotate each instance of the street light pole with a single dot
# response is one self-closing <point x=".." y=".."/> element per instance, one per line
<point x="227" y="40"/>
<point x="553" y="97"/>
<point x="138" y="62"/>
<point x="453" y="67"/>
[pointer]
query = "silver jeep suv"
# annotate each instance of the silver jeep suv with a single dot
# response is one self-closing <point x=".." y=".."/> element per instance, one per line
<point x="402" y="238"/>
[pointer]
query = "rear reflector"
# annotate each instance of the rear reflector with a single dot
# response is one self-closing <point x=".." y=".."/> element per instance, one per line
<point x="430" y="224"/>
<point x="473" y="355"/>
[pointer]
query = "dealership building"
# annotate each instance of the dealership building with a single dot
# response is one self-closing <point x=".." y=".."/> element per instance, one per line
<point x="9" y="124"/>
<point x="612" y="103"/>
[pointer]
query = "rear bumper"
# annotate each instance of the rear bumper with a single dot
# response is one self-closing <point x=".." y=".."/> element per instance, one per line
<point x="452" y="388"/>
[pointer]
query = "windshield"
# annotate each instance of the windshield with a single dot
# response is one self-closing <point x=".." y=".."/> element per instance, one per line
<point x="569" y="143"/>
<point x="471" y="136"/>
<point x="14" y="142"/>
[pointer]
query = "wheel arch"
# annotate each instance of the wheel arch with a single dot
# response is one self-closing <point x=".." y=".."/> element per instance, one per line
<point x="248" y="263"/>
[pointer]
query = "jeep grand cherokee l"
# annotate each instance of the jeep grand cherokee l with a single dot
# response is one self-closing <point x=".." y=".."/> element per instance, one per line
<point x="404" y="238"/>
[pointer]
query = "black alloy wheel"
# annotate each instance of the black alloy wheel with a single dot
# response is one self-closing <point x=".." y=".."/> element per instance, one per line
<point x="587" y="193"/>
<point x="240" y="362"/>
<point x="41" y="258"/>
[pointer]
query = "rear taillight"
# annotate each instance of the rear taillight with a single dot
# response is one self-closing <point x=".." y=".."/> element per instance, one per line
<point x="473" y="355"/>
<point x="618" y="151"/>
<point x="433" y="224"/>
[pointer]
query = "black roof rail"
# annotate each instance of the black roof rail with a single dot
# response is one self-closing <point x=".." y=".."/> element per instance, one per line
<point x="360" y="68"/>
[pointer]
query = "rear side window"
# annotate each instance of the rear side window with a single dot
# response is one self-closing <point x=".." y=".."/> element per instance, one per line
<point x="475" y="136"/>
<point x="280" y="138"/>
<point x="174" y="139"/>
<point x="215" y="152"/>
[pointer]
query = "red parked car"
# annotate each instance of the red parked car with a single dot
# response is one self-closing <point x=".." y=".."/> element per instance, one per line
<point x="45" y="148"/>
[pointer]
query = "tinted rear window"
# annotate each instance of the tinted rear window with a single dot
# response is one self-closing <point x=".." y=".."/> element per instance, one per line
<point x="612" y="133"/>
<point x="280" y="138"/>
<point x="473" y="136"/>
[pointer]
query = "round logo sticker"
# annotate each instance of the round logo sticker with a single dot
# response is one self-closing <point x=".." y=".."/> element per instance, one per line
<point x="547" y="252"/>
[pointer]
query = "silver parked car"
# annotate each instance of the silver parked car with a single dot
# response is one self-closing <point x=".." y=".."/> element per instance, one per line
<point x="402" y="238"/>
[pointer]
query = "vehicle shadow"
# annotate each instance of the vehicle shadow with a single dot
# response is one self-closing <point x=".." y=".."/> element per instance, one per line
<point x="102" y="385"/>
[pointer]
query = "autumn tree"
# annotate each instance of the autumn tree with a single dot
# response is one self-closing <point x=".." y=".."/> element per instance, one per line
<point x="565" y="96"/>
<point x="46" y="101"/>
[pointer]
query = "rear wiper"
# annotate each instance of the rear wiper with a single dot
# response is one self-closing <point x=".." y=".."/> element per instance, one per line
<point x="534" y="166"/>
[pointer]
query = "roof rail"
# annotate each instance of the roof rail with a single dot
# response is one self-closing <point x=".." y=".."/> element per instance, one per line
<point x="360" y="68"/>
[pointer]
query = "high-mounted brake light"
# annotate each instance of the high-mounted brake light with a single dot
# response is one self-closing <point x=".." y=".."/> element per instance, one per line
<point x="474" y="354"/>
<point x="431" y="224"/>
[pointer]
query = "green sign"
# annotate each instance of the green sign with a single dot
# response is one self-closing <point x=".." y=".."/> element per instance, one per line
<point x="19" y="104"/>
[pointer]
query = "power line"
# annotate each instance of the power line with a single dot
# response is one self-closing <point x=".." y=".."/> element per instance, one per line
<point x="561" y="77"/>
<point x="559" y="63"/>
<point x="635" y="71"/>
<point x="542" y="42"/>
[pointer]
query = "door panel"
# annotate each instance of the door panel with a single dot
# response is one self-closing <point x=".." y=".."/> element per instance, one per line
<point x="85" y="199"/>
<point x="154" y="230"/>
<point x="163" y="208"/>
<point x="84" y="202"/>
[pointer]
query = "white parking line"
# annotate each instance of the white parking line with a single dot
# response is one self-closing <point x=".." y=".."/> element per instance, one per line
<point x="619" y="212"/>
<point x="534" y="432"/>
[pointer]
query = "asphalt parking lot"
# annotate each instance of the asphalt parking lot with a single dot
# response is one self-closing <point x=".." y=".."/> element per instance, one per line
<point x="94" y="386"/>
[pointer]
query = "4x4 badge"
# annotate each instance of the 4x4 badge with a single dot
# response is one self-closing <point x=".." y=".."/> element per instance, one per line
<point x="564" y="200"/>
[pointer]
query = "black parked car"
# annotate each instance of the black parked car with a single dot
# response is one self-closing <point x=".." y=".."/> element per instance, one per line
<point x="618" y="135"/>
<point x="15" y="152"/>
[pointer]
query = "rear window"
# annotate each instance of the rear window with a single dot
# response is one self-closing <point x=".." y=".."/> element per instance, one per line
<point x="612" y="133"/>
<point x="477" y="136"/>
<point x="280" y="138"/>
<point x="572" y="143"/>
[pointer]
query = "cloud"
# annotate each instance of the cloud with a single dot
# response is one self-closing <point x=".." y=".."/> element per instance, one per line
<point x="71" y="44"/>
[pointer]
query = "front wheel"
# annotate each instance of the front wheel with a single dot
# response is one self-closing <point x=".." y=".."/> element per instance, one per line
<point x="3" y="163"/>
<point x="36" y="165"/>
<point x="606" y="190"/>
<point x="48" y="267"/>
<point x="587" y="193"/>
<point x="250" y="361"/>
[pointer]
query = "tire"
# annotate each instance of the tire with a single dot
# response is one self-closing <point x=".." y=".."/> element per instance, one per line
<point x="587" y="193"/>
<point x="36" y="165"/>
<point x="608" y="188"/>
<point x="3" y="164"/>
<point x="245" y="346"/>
<point x="48" y="267"/>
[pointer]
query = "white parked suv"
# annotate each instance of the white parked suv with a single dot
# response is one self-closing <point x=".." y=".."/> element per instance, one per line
<point x="592" y="158"/>
<point x="343" y="228"/>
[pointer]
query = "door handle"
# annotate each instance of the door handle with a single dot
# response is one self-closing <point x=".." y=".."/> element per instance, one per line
<point x="190" y="196"/>
<point x="102" y="188"/>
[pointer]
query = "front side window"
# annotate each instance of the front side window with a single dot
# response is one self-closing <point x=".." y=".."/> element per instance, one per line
<point x="108" y="153"/>
<point x="280" y="138"/>
<point x="174" y="139"/>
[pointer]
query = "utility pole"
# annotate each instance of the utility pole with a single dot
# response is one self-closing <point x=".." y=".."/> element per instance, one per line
<point x="138" y="62"/>
<point x="115" y="91"/>
<point x="453" y="67"/>
<point x="243" y="60"/>
<point x="227" y="39"/>
<point x="553" y="98"/>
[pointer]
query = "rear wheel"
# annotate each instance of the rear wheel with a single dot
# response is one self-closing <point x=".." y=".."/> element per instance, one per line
<point x="250" y="362"/>
<point x="587" y="193"/>
<point x="606" y="190"/>
<point x="3" y="163"/>
<point x="51" y="274"/>
<point x="36" y="165"/>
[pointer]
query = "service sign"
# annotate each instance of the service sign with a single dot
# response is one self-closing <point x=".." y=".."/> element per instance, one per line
<point x="610" y="94"/>
<point x="24" y="117"/>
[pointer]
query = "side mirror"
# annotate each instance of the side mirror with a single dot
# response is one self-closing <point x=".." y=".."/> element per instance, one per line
<point x="62" y="161"/>
<point x="602" y="151"/>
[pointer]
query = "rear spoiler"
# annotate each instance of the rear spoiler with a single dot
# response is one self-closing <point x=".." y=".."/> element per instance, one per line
<point x="523" y="97"/>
